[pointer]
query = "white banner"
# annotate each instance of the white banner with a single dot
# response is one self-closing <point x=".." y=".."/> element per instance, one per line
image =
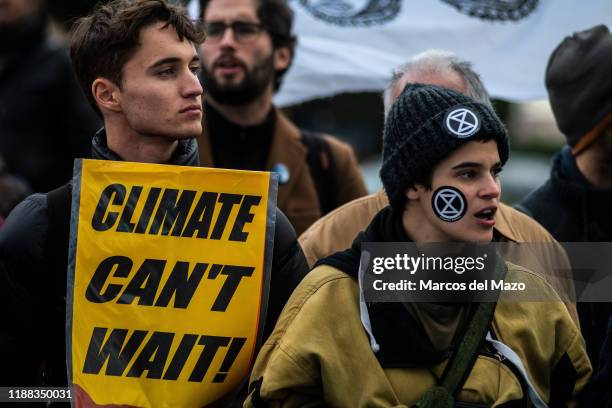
<point x="352" y="45"/>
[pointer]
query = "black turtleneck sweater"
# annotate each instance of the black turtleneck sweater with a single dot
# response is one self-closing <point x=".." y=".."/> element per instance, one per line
<point x="239" y="147"/>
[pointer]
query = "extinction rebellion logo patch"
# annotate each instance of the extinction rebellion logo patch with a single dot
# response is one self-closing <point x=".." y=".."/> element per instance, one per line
<point x="353" y="12"/>
<point x="449" y="204"/>
<point x="495" y="10"/>
<point x="461" y="122"/>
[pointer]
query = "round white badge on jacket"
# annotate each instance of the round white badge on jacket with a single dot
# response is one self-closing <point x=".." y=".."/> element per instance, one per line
<point x="282" y="171"/>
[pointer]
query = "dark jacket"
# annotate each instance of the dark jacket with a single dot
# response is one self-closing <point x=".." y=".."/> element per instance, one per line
<point x="599" y="391"/>
<point x="33" y="267"/>
<point x="574" y="211"/>
<point x="45" y="120"/>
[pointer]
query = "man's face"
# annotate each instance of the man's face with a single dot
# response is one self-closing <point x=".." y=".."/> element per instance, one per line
<point x="237" y="69"/>
<point x="160" y="93"/>
<point x="473" y="170"/>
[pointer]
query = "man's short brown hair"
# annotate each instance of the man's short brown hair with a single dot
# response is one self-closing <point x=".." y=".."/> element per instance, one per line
<point x="102" y="42"/>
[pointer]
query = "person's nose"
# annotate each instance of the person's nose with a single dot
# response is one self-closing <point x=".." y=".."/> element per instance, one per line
<point x="192" y="86"/>
<point x="490" y="188"/>
<point x="228" y="38"/>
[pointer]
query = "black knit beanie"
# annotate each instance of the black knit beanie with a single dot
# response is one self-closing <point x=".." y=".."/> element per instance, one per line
<point x="426" y="124"/>
<point x="578" y="82"/>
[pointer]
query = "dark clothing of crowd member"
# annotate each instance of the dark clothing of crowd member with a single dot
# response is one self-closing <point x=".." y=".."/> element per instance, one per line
<point x="599" y="391"/>
<point x="33" y="268"/>
<point x="574" y="204"/>
<point x="45" y="120"/>
<point x="12" y="191"/>
<point x="573" y="211"/>
<point x="570" y="208"/>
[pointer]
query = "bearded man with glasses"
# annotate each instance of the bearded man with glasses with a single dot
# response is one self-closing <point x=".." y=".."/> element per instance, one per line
<point x="248" y="49"/>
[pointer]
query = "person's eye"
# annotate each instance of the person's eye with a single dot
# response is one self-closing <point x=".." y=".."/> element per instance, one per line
<point x="214" y="29"/>
<point x="467" y="174"/>
<point x="195" y="69"/>
<point x="166" y="72"/>
<point x="496" y="171"/>
<point x="246" y="29"/>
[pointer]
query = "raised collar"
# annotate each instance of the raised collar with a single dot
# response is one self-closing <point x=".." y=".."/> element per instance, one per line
<point x="572" y="186"/>
<point x="565" y="167"/>
<point x="186" y="153"/>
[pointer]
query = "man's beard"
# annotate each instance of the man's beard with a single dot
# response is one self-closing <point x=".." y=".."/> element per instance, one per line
<point x="250" y="88"/>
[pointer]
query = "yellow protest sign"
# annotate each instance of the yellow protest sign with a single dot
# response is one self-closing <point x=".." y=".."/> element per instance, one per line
<point x="168" y="276"/>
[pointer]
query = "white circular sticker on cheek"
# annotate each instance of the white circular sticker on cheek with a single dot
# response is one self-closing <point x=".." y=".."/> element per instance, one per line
<point x="449" y="204"/>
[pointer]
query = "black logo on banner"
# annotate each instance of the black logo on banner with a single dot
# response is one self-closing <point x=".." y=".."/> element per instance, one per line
<point x="353" y="12"/>
<point x="495" y="10"/>
<point x="462" y="122"/>
<point x="449" y="204"/>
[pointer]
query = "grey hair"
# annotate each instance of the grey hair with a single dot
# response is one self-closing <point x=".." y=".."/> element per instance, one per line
<point x="437" y="62"/>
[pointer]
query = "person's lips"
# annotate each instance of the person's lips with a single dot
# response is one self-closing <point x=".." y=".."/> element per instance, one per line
<point x="228" y="65"/>
<point x="486" y="216"/>
<point x="193" y="107"/>
<point x="193" y="110"/>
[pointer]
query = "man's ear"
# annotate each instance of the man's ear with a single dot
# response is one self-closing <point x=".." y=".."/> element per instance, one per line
<point x="105" y="92"/>
<point x="282" y="58"/>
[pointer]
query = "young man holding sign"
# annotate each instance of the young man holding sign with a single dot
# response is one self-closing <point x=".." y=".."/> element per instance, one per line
<point x="137" y="63"/>
<point x="441" y="158"/>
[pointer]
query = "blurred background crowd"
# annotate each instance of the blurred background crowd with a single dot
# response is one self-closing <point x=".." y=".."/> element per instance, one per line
<point x="45" y="120"/>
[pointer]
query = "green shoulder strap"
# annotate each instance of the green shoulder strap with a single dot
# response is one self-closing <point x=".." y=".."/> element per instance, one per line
<point x="461" y="363"/>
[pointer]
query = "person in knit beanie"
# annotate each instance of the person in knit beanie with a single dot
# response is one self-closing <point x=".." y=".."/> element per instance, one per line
<point x="424" y="127"/>
<point x="340" y="342"/>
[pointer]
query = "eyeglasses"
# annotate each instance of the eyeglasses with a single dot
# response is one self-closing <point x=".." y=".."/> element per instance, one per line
<point x="244" y="32"/>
